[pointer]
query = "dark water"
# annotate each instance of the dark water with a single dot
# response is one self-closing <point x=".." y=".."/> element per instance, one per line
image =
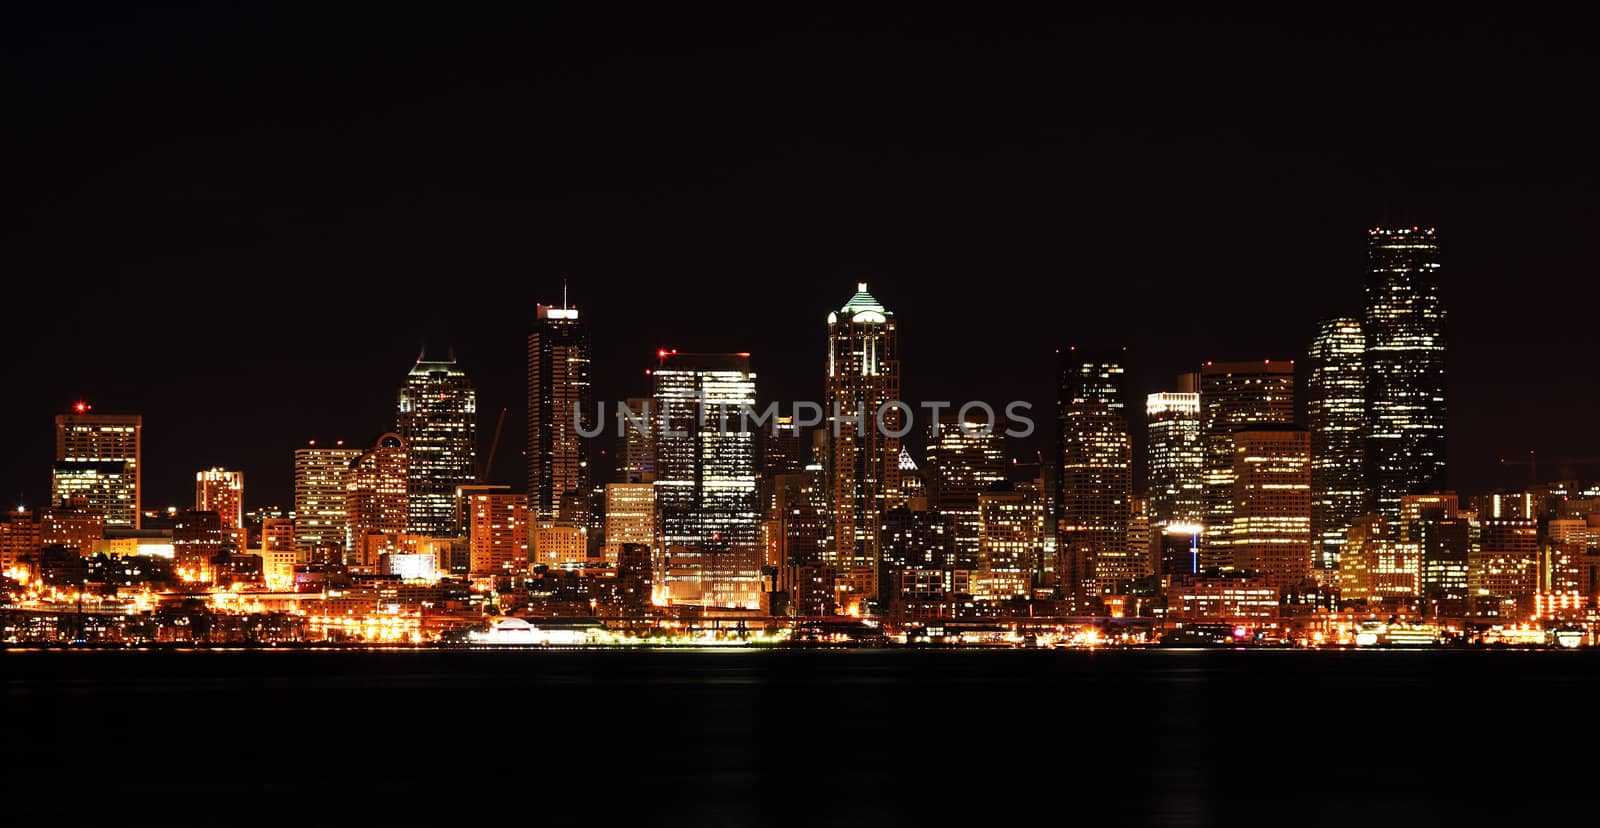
<point x="816" y="738"/>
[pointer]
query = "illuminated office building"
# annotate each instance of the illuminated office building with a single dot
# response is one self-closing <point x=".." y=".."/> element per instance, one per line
<point x="376" y="500"/>
<point x="558" y="388"/>
<point x="637" y="445"/>
<point x="1503" y="568"/>
<point x="98" y="458"/>
<point x="705" y="473"/>
<point x="497" y="532"/>
<point x="1271" y="519"/>
<point x="1176" y="462"/>
<point x="863" y="460"/>
<point x="19" y="536"/>
<point x="277" y="534"/>
<point x="1336" y="414"/>
<point x="1405" y="353"/>
<point x="1377" y="565"/>
<point x="630" y="518"/>
<point x="222" y="491"/>
<point x="73" y="524"/>
<point x="1234" y="395"/>
<point x="1010" y="537"/>
<point x="437" y="418"/>
<point x="785" y="448"/>
<point x="966" y="460"/>
<point x="1096" y="474"/>
<point x="321" y="494"/>
<point x="197" y="537"/>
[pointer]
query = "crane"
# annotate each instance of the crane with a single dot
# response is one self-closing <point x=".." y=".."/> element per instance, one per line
<point x="494" y="445"/>
<point x="1566" y="464"/>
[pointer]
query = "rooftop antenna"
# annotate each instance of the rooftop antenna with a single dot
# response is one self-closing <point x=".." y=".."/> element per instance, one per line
<point x="564" y="305"/>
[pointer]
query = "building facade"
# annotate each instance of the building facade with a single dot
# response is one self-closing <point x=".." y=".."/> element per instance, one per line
<point x="98" y="458"/>
<point x="1405" y="365"/>
<point x="1336" y="415"/>
<point x="558" y="389"/>
<point x="437" y="418"/>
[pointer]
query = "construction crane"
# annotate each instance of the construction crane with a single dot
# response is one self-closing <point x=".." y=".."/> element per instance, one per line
<point x="494" y="445"/>
<point x="1565" y="464"/>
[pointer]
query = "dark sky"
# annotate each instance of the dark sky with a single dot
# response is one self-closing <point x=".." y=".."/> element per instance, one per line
<point x="244" y="223"/>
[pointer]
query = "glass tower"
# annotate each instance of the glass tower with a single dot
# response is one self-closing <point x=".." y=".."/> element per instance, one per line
<point x="1336" y="415"/>
<point x="558" y="387"/>
<point x="1404" y="324"/>
<point x="1095" y="484"/>
<point x="437" y="419"/>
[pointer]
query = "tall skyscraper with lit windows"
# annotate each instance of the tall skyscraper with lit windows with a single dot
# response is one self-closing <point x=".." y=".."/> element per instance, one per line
<point x="1405" y="356"/>
<point x="706" y="479"/>
<point x="376" y="499"/>
<point x="558" y="388"/>
<point x="437" y="419"/>
<point x="321" y="494"/>
<point x="966" y="458"/>
<point x="1234" y="395"/>
<point x="97" y="458"/>
<point x="1095" y="484"/>
<point x="1336" y="415"/>
<point x="1176" y="460"/>
<point x="863" y="460"/>
<point x="1271" y="520"/>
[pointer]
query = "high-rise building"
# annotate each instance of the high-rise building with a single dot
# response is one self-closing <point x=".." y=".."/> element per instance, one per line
<point x="1096" y="478"/>
<point x="1010" y="537"/>
<point x="376" y="500"/>
<point x="1176" y="480"/>
<point x="705" y="470"/>
<point x="1336" y="415"/>
<point x="437" y="418"/>
<point x="1503" y="569"/>
<point x="73" y="524"/>
<point x="197" y="537"/>
<point x="786" y="449"/>
<point x="19" y="536"/>
<point x="1405" y="384"/>
<point x="497" y="532"/>
<point x="863" y="459"/>
<point x="98" y="457"/>
<point x="321" y="493"/>
<point x="637" y="449"/>
<point x="967" y="457"/>
<point x="222" y="491"/>
<point x="1234" y="395"/>
<point x="630" y="518"/>
<point x="558" y="390"/>
<point x="1271" y="520"/>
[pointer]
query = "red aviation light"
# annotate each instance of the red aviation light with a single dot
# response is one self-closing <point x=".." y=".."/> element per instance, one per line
<point x="80" y="406"/>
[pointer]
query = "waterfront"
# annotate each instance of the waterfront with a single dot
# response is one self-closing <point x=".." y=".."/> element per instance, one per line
<point x="868" y="737"/>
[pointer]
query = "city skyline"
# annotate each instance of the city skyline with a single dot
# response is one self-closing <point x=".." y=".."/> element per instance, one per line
<point x="1501" y="476"/>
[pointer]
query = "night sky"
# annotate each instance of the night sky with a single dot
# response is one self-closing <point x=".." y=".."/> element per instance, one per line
<point x="245" y="223"/>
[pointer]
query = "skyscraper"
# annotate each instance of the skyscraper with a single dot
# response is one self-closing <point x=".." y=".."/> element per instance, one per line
<point x="321" y="492"/>
<point x="437" y="419"/>
<point x="1404" y="325"/>
<point x="1336" y="415"/>
<point x="1234" y="395"/>
<point x="222" y="491"/>
<point x="497" y="531"/>
<point x="705" y="472"/>
<point x="966" y="460"/>
<point x="863" y="460"/>
<point x="630" y="518"/>
<point x="1176" y="459"/>
<point x="376" y="499"/>
<point x="558" y="388"/>
<point x="1095" y="483"/>
<point x="97" y="457"/>
<point x="1271" y="520"/>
